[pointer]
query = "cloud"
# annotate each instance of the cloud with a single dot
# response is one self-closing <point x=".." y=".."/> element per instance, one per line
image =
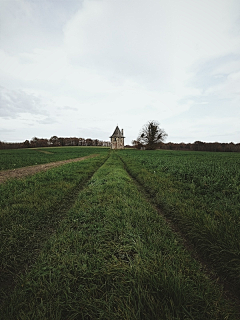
<point x="115" y="38"/>
<point x="218" y="80"/>
<point x="47" y="120"/>
<point x="15" y="102"/>
<point x="69" y="108"/>
<point x="6" y="130"/>
<point x="28" y="25"/>
<point x="154" y="41"/>
<point x="94" y="133"/>
<point x="102" y="62"/>
<point x="40" y="66"/>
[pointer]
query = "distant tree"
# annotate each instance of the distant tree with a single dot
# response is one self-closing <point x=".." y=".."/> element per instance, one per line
<point x="100" y="143"/>
<point x="54" y="140"/>
<point x="151" y="135"/>
<point x="89" y="142"/>
<point x="61" y="141"/>
<point x="95" y="142"/>
<point x="81" y="142"/>
<point x="33" y="142"/>
<point x="26" y="144"/>
<point x="42" y="142"/>
<point x="75" y="141"/>
<point x="136" y="144"/>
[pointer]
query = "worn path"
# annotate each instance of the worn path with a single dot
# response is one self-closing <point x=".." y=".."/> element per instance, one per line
<point x="25" y="171"/>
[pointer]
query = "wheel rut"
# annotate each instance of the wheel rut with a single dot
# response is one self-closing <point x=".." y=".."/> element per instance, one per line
<point x="231" y="293"/>
<point x="10" y="281"/>
<point x="30" y="170"/>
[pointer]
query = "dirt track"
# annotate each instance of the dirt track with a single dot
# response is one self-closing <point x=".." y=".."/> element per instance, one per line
<point x="25" y="171"/>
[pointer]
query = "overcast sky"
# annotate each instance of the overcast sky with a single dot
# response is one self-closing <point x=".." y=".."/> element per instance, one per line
<point x="81" y="67"/>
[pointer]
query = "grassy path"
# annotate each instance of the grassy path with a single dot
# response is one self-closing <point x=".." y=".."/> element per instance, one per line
<point x="18" y="158"/>
<point x="30" y="211"/>
<point x="30" y="170"/>
<point x="114" y="257"/>
<point x="206" y="212"/>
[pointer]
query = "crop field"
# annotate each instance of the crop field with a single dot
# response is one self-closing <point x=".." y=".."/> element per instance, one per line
<point x="200" y="193"/>
<point x="12" y="159"/>
<point x="119" y="236"/>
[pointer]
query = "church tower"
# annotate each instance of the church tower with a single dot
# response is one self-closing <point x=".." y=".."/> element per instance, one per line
<point x="117" y="139"/>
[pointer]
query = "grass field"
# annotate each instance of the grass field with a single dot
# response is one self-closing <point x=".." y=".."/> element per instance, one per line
<point x="12" y="159"/>
<point x="200" y="193"/>
<point x="30" y="211"/>
<point x="87" y="240"/>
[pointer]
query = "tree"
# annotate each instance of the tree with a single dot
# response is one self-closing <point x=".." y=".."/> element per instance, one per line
<point x="26" y="144"/>
<point x="33" y="142"/>
<point x="136" y="144"/>
<point x="61" y="141"/>
<point x="54" y="140"/>
<point x="151" y="135"/>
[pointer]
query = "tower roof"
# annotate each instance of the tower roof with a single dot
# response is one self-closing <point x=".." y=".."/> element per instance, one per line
<point x="117" y="133"/>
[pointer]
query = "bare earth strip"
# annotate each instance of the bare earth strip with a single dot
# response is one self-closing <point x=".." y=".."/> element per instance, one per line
<point x="25" y="171"/>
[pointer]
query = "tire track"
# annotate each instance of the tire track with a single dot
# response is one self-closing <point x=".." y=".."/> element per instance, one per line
<point x="30" y="170"/>
<point x="231" y="293"/>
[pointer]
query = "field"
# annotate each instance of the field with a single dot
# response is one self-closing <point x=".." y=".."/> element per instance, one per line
<point x="124" y="235"/>
<point x="12" y="159"/>
<point x="200" y="193"/>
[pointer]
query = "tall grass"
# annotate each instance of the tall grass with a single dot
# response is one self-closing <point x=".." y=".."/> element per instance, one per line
<point x="30" y="211"/>
<point x="200" y="193"/>
<point x="114" y="257"/>
<point x="12" y="159"/>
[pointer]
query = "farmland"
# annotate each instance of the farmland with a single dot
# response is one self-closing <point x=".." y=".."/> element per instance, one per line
<point x="12" y="159"/>
<point x="102" y="244"/>
<point x="200" y="193"/>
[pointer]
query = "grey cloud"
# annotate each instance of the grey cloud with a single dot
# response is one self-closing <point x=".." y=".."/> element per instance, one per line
<point x="207" y="75"/>
<point x="69" y="108"/>
<point x="15" y="102"/>
<point x="6" y="130"/>
<point x="34" y="19"/>
<point x="47" y="120"/>
<point x="129" y="48"/>
<point x="212" y="78"/>
<point x="94" y="133"/>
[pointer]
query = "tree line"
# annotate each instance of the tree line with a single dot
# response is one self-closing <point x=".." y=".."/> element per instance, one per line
<point x="152" y="137"/>
<point x="195" y="146"/>
<point x="202" y="146"/>
<point x="54" y="141"/>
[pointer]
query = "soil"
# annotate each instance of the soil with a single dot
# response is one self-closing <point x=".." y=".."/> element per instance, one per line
<point x="25" y="171"/>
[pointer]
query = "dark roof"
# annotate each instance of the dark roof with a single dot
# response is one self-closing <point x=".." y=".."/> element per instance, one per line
<point x="117" y="133"/>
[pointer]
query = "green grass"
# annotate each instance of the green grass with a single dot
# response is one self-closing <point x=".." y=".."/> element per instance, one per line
<point x="17" y="158"/>
<point x="114" y="257"/>
<point x="199" y="192"/>
<point x="30" y="211"/>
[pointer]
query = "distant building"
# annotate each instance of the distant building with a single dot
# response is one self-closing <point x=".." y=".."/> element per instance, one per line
<point x="117" y="139"/>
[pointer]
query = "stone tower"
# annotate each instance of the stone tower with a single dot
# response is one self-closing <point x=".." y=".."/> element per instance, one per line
<point x="117" y="139"/>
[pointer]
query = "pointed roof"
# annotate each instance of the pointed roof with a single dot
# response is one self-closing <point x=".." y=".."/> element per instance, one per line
<point x="117" y="133"/>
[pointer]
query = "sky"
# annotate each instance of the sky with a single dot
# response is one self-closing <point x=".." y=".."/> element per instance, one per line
<point x="78" y="68"/>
